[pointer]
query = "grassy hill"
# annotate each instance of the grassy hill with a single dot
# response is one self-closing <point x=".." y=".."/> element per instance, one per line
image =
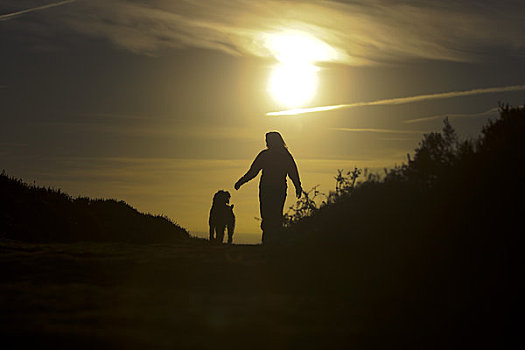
<point x="38" y="214"/>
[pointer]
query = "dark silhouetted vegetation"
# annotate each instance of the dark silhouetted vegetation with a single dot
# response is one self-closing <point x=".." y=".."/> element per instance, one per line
<point x="439" y="233"/>
<point x="452" y="185"/>
<point x="38" y="214"/>
<point x="303" y="207"/>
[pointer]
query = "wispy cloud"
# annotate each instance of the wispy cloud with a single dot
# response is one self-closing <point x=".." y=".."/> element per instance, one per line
<point x="396" y="139"/>
<point x="361" y="31"/>
<point x="380" y="131"/>
<point x="33" y="9"/>
<point x="147" y="126"/>
<point x="401" y="100"/>
<point x="492" y="111"/>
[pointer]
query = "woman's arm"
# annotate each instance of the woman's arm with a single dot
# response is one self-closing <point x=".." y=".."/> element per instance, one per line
<point x="293" y="173"/>
<point x="252" y="172"/>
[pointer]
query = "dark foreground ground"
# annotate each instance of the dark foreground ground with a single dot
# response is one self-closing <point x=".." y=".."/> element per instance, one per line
<point x="125" y="296"/>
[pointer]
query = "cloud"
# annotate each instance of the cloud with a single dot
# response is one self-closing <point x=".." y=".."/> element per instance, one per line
<point x="380" y="131"/>
<point x="148" y="126"/>
<point x="11" y="15"/>
<point x="396" y="139"/>
<point x="362" y="32"/>
<point x="401" y="100"/>
<point x="492" y="111"/>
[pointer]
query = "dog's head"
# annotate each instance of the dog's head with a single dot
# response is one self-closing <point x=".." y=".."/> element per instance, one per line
<point x="221" y="198"/>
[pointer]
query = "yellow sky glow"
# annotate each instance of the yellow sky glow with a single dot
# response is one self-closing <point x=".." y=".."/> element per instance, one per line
<point x="169" y="98"/>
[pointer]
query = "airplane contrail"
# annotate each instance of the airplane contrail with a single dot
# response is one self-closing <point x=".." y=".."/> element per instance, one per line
<point x="400" y="100"/>
<point x="38" y="8"/>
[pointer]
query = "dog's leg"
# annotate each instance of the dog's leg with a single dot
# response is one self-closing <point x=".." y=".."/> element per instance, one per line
<point x="220" y="234"/>
<point x="230" y="234"/>
<point x="212" y="231"/>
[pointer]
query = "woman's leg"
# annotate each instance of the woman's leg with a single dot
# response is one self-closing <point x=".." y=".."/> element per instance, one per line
<point x="271" y="205"/>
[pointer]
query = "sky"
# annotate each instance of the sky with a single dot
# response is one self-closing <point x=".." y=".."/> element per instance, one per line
<point x="163" y="102"/>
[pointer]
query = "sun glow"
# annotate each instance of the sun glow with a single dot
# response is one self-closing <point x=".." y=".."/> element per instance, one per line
<point x="293" y="85"/>
<point x="293" y="81"/>
<point x="292" y="48"/>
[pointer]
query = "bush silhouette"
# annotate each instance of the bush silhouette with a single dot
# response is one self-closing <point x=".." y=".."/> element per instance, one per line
<point x="447" y="185"/>
<point x="38" y="214"/>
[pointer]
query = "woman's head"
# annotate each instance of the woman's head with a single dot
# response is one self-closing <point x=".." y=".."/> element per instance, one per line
<point x="274" y="140"/>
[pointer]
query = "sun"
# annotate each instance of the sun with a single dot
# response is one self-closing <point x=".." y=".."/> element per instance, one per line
<point x="293" y="81"/>
<point x="293" y="85"/>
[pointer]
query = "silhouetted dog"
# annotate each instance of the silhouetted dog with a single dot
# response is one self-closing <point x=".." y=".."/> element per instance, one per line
<point x="221" y="217"/>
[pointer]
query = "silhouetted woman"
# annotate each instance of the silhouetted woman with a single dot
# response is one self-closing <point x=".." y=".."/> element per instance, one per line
<point x="275" y="162"/>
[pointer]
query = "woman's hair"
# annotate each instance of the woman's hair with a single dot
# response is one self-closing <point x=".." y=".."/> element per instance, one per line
<point x="274" y="140"/>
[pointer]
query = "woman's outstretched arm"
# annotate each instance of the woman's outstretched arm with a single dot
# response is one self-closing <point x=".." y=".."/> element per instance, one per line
<point x="252" y="172"/>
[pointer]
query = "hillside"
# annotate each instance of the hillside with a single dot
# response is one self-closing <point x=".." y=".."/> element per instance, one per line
<point x="38" y="214"/>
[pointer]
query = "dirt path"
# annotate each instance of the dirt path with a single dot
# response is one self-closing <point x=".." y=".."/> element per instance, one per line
<point x="126" y="296"/>
<point x="159" y="296"/>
